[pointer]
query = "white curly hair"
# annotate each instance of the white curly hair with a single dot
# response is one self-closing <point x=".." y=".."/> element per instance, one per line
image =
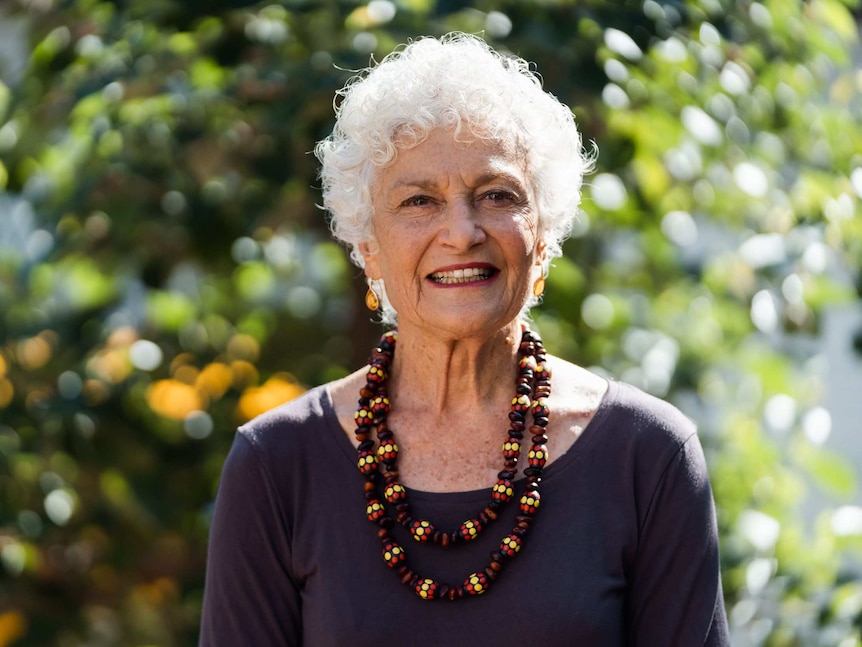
<point x="450" y="82"/>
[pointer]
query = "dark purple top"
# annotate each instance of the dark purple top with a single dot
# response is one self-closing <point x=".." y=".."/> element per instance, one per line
<point x="623" y="550"/>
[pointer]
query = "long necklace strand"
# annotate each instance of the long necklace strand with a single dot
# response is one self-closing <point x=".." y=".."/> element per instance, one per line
<point x="533" y="386"/>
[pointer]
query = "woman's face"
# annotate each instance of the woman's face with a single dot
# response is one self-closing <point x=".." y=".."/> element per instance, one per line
<point x="456" y="229"/>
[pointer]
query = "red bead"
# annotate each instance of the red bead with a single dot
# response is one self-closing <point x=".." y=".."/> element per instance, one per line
<point x="476" y="584"/>
<point x="503" y="490"/>
<point x="375" y="510"/>
<point x="527" y="363"/>
<point x="521" y="404"/>
<point x="387" y="451"/>
<point x="470" y="529"/>
<point x="393" y="554"/>
<point x="542" y="372"/>
<point x="540" y="408"/>
<point x="537" y="456"/>
<point x="376" y="375"/>
<point x="511" y="448"/>
<point x="380" y="405"/>
<point x="530" y="502"/>
<point x="426" y="589"/>
<point x="421" y="530"/>
<point x="395" y="493"/>
<point x="362" y="417"/>
<point x="367" y="462"/>
<point x="510" y="545"/>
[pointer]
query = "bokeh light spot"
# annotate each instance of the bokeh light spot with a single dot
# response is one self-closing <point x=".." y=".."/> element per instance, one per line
<point x="621" y="43"/>
<point x="817" y="425"/>
<point x="597" y="311"/>
<point x="608" y="191"/>
<point x="680" y="228"/>
<point x="280" y="388"/>
<point x="145" y="355"/>
<point x="779" y="412"/>
<point x="60" y="506"/>
<point x="198" y="425"/>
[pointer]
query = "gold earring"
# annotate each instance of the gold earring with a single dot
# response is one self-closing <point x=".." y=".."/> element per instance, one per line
<point x="372" y="301"/>
<point x="539" y="286"/>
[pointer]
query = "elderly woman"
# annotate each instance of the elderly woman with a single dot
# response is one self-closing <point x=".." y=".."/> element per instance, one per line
<point x="378" y="509"/>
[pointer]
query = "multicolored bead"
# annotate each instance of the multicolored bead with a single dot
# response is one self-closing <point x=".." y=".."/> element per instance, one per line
<point x="421" y="530"/>
<point x="476" y="584"/>
<point x="376" y="374"/>
<point x="527" y="363"/>
<point x="510" y="545"/>
<point x="470" y="529"/>
<point x="380" y="405"/>
<point x="362" y="417"/>
<point x="530" y="502"/>
<point x="393" y="554"/>
<point x="521" y="404"/>
<point x="387" y="451"/>
<point x="426" y="589"/>
<point x="542" y="372"/>
<point x="375" y="511"/>
<point x="395" y="494"/>
<point x="367" y="462"/>
<point x="537" y="456"/>
<point x="503" y="490"/>
<point x="540" y="408"/>
<point x="511" y="448"/>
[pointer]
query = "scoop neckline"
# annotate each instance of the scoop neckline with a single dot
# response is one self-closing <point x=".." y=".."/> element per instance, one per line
<point x="551" y="474"/>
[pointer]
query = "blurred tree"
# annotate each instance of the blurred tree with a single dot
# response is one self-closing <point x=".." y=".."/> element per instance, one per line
<point x="163" y="266"/>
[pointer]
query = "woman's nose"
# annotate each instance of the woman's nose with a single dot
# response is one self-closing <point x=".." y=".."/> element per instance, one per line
<point x="462" y="228"/>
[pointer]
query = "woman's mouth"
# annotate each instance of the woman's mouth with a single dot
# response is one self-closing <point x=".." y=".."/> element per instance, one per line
<point x="464" y="275"/>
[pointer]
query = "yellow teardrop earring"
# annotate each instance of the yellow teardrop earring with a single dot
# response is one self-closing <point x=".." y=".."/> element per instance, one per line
<point x="372" y="301"/>
<point x="539" y="287"/>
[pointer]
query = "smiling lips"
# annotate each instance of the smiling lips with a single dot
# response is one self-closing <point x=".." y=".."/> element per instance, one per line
<point x="462" y="275"/>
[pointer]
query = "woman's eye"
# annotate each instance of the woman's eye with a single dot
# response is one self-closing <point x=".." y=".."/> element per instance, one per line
<point x="417" y="201"/>
<point x="500" y="197"/>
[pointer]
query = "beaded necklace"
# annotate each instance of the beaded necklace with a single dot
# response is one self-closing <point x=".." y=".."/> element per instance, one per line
<point x="533" y="386"/>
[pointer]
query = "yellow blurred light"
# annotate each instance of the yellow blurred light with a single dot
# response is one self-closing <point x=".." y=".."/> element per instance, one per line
<point x="13" y="625"/>
<point x="242" y="346"/>
<point x="157" y="593"/>
<point x="187" y="374"/>
<point x="277" y="390"/>
<point x="244" y="374"/>
<point x="33" y="353"/>
<point x="95" y="392"/>
<point x="7" y="391"/>
<point x="4" y="366"/>
<point x="174" y="399"/>
<point x="180" y="360"/>
<point x="110" y="365"/>
<point x="123" y="337"/>
<point x="214" y="380"/>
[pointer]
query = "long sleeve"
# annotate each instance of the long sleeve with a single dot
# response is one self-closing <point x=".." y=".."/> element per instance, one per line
<point x="675" y="595"/>
<point x="250" y="595"/>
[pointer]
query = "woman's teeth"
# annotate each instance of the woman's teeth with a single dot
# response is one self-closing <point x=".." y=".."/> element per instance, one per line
<point x="465" y="275"/>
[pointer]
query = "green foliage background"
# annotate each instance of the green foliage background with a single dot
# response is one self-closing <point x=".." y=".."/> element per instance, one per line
<point x="165" y="273"/>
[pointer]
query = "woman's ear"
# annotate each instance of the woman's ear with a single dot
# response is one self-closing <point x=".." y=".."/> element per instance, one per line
<point x="541" y="251"/>
<point x="369" y="255"/>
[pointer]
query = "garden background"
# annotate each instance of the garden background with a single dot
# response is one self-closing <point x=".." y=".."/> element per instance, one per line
<point x="165" y="274"/>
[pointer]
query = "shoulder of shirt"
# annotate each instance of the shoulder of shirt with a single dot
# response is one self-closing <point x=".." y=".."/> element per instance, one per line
<point x="646" y="418"/>
<point x="289" y="421"/>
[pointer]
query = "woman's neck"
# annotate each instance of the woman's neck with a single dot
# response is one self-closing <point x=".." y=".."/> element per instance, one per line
<point x="438" y="375"/>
